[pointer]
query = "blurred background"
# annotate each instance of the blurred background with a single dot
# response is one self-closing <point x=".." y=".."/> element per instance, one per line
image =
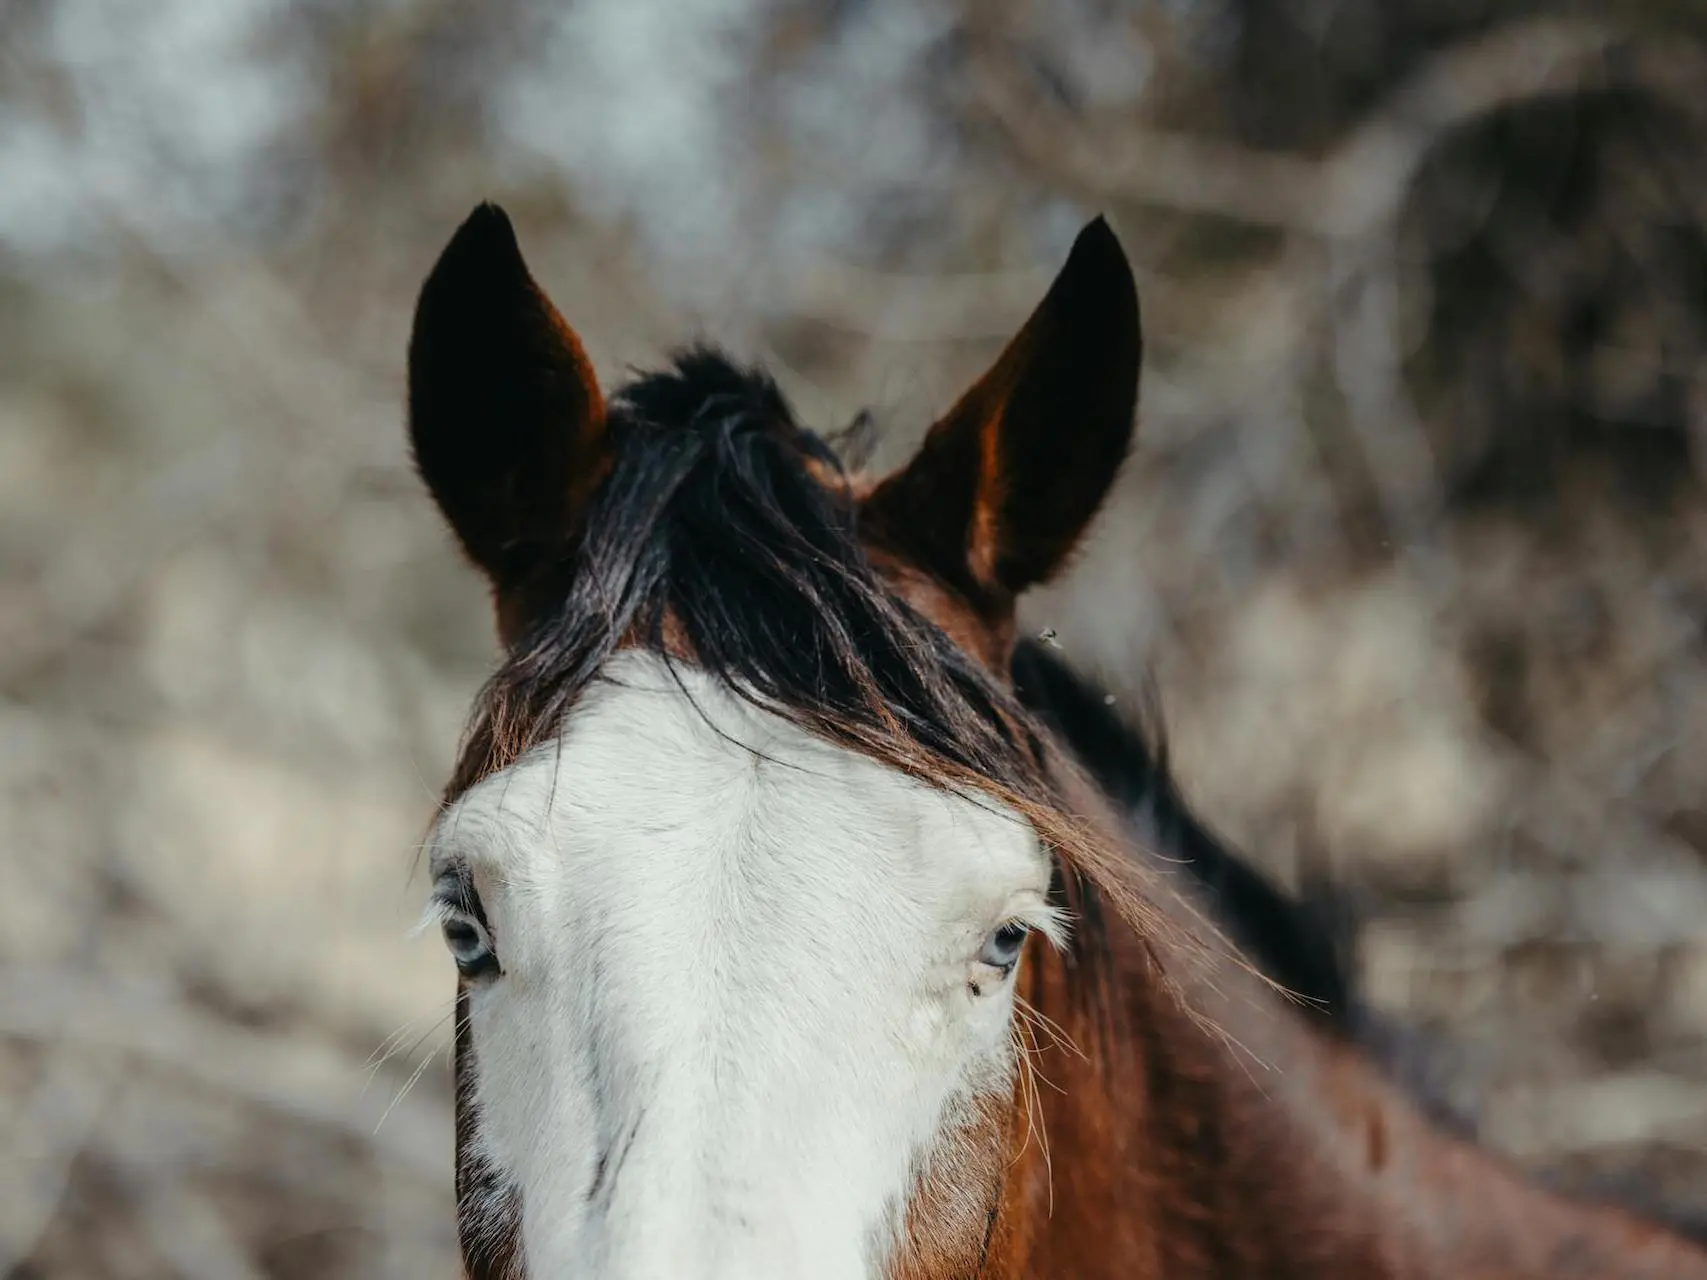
<point x="1414" y="549"/>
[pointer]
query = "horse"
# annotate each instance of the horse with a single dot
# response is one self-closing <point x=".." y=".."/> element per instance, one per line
<point x="804" y="915"/>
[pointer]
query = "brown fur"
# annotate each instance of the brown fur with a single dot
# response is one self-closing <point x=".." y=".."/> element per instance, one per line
<point x="1173" y="1115"/>
<point x="1225" y="1137"/>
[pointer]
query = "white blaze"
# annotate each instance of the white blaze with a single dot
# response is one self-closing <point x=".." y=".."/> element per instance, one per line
<point x="736" y="975"/>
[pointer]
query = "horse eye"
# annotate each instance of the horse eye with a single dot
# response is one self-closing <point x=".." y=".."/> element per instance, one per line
<point x="1001" y="949"/>
<point x="469" y="948"/>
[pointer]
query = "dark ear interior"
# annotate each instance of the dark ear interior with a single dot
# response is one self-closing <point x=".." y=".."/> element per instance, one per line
<point x="1006" y="483"/>
<point x="505" y="415"/>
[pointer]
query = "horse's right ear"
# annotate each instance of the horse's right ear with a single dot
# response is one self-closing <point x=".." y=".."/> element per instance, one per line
<point x="505" y="415"/>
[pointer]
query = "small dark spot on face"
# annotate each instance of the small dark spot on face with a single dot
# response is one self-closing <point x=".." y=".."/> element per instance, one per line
<point x="1377" y="1136"/>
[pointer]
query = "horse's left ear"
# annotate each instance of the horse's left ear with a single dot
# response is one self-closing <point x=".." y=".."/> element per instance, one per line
<point x="1007" y="481"/>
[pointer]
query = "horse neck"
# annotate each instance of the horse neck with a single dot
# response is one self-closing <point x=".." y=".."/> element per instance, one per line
<point x="1237" y="1140"/>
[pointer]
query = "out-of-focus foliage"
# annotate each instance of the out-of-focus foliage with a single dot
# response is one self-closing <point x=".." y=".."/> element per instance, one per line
<point x="1414" y="547"/>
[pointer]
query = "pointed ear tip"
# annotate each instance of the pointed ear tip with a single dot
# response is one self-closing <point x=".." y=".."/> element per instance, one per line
<point x="1098" y="262"/>
<point x="488" y="216"/>
<point x="1096" y="236"/>
<point x="484" y="235"/>
<point x="488" y="222"/>
<point x="481" y="256"/>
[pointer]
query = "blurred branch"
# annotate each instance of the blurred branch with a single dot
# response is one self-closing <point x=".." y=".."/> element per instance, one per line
<point x="295" y="1076"/>
<point x="96" y="576"/>
<point x="1349" y="193"/>
<point x="1367" y="357"/>
<point x="1349" y="201"/>
<point x="1545" y="1123"/>
<point x="43" y="1140"/>
<point x="252" y="321"/>
<point x="188" y="1231"/>
<point x="926" y="307"/>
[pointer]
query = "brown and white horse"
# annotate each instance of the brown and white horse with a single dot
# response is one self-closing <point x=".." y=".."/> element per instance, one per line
<point x="796" y="936"/>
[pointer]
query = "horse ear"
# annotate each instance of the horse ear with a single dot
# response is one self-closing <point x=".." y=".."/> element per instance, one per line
<point x="1007" y="481"/>
<point x="505" y="416"/>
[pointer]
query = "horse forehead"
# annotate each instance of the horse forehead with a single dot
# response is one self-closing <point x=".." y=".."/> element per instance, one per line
<point x="659" y="764"/>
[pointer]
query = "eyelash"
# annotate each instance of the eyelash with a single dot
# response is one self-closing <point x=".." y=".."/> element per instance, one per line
<point x="470" y="946"/>
<point x="1003" y="945"/>
<point x="466" y="936"/>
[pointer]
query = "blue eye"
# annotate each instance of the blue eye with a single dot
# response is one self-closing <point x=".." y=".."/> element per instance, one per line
<point x="469" y="948"/>
<point x="1001" y="949"/>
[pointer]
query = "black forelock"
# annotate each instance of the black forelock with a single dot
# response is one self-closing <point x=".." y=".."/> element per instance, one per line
<point x="699" y="379"/>
<point x="726" y="531"/>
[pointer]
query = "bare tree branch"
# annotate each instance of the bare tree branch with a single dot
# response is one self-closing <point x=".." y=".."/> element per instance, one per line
<point x="1355" y="189"/>
<point x="296" y="1075"/>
